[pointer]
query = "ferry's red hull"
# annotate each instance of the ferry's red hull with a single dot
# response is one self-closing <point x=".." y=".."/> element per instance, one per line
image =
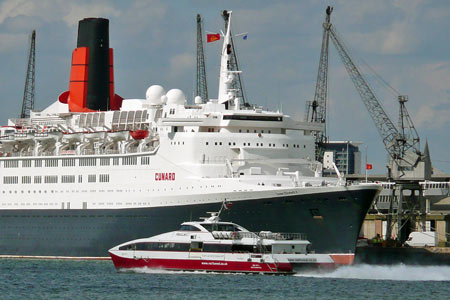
<point x="202" y="265"/>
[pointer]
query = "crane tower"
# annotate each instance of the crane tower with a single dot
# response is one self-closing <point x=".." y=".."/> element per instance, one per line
<point x="202" y="87"/>
<point x="28" y="93"/>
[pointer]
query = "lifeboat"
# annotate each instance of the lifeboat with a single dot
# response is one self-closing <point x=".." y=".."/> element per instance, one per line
<point x="216" y="246"/>
<point x="139" y="134"/>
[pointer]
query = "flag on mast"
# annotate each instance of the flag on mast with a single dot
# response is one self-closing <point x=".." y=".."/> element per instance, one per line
<point x="212" y="37"/>
<point x="368" y="166"/>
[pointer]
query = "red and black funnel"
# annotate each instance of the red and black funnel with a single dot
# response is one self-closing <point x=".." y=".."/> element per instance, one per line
<point x="91" y="86"/>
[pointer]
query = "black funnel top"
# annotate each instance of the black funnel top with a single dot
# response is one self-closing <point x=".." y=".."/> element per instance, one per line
<point x="94" y="34"/>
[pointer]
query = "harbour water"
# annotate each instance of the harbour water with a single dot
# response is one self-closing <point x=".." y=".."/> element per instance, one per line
<point x="59" y="279"/>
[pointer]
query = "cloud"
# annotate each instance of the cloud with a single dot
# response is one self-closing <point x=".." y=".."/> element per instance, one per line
<point x="12" y="41"/>
<point x="181" y="63"/>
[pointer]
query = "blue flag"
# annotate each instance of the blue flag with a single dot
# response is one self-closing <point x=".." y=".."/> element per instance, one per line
<point x="245" y="37"/>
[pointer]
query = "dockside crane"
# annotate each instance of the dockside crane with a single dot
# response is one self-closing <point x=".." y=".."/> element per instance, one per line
<point x="316" y="111"/>
<point x="407" y="164"/>
<point x="202" y="86"/>
<point x="28" y="93"/>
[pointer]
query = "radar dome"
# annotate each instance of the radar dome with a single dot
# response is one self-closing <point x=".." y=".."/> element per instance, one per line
<point x="198" y="100"/>
<point x="154" y="94"/>
<point x="175" y="96"/>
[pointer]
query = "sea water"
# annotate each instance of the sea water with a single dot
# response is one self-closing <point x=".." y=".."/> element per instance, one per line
<point x="60" y="279"/>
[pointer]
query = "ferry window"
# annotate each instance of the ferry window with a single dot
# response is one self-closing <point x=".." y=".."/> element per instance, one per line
<point x="116" y="161"/>
<point x="26" y="163"/>
<point x="80" y="178"/>
<point x="188" y="228"/>
<point x="234" y="144"/>
<point x="248" y="131"/>
<point x="196" y="247"/>
<point x="207" y="143"/>
<point x="216" y="248"/>
<point x="242" y="248"/>
<point x="240" y="130"/>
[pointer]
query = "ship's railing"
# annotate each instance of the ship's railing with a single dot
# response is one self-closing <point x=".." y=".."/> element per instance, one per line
<point x="238" y="235"/>
<point x="282" y="235"/>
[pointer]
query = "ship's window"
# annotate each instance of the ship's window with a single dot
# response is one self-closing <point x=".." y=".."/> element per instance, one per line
<point x="11" y="164"/>
<point x="37" y="179"/>
<point x="92" y="178"/>
<point x="104" y="161"/>
<point x="217" y="248"/>
<point x="207" y="143"/>
<point x="116" y="161"/>
<point x="68" y="178"/>
<point x="10" y="179"/>
<point x="26" y="179"/>
<point x="26" y="163"/>
<point x="84" y="162"/>
<point x="68" y="162"/>
<point x="51" y="179"/>
<point x="196" y="246"/>
<point x="315" y="213"/>
<point x="145" y="160"/>
<point x="248" y="131"/>
<point x="269" y="131"/>
<point x="240" y="130"/>
<point x="234" y="144"/>
<point x="51" y="163"/>
<point x="104" y="177"/>
<point x="126" y="161"/>
<point x="215" y="143"/>
<point x="188" y="228"/>
<point x="38" y="163"/>
<point x="242" y="248"/>
<point x="220" y="143"/>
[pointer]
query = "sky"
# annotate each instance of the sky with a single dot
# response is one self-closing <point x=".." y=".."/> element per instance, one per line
<point x="406" y="42"/>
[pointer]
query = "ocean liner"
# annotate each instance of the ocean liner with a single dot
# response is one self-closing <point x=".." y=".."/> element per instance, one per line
<point x="93" y="170"/>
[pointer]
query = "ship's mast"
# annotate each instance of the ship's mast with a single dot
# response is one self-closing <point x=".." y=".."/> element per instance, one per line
<point x="229" y="88"/>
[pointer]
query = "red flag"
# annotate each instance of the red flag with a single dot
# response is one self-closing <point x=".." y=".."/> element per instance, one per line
<point x="368" y="166"/>
<point x="212" y="37"/>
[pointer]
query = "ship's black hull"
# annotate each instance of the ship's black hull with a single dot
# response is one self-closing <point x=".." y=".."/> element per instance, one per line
<point x="331" y="221"/>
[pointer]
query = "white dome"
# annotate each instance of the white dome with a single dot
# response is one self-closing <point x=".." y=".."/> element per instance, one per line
<point x="198" y="100"/>
<point x="175" y="96"/>
<point x="154" y="94"/>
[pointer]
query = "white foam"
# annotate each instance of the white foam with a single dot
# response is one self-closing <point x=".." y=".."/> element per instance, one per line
<point x="384" y="272"/>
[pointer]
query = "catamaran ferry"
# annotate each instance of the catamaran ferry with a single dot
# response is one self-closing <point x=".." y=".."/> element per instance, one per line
<point x="93" y="170"/>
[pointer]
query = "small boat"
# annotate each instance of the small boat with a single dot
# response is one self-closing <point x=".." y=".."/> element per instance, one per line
<point x="214" y="246"/>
